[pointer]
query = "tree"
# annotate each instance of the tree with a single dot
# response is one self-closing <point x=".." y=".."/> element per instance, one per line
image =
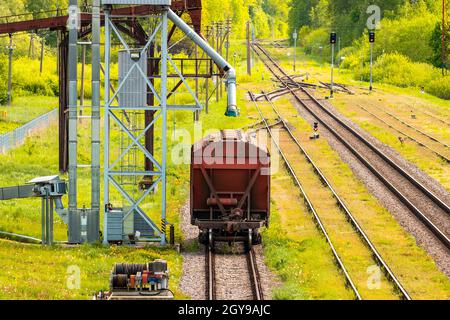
<point x="436" y="45"/>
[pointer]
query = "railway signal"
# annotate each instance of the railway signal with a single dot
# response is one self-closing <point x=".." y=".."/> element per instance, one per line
<point x="315" y="134"/>
<point x="371" y="40"/>
<point x="333" y="39"/>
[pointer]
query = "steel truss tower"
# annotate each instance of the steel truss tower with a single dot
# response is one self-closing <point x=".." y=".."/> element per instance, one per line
<point x="114" y="173"/>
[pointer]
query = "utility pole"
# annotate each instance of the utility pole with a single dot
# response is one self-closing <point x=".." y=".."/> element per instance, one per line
<point x="217" y="49"/>
<point x="444" y="53"/>
<point x="208" y="34"/>
<point x="295" y="48"/>
<point x="371" y="40"/>
<point x="333" y="42"/>
<point x="42" y="54"/>
<point x="249" y="62"/>
<point x="10" y="55"/>
<point x="227" y="44"/>
<point x="221" y="39"/>
<point x="339" y="54"/>
<point x="31" y="48"/>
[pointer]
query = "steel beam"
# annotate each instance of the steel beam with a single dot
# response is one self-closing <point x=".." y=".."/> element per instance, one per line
<point x="73" y="100"/>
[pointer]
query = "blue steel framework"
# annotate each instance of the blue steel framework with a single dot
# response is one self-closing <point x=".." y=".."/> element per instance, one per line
<point x="159" y="175"/>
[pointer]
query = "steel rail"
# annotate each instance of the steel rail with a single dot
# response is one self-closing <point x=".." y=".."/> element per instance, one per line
<point x="420" y="186"/>
<point x="254" y="275"/>
<point x="210" y="274"/>
<point x="413" y="128"/>
<point x="252" y="269"/>
<point x="440" y="155"/>
<point x="341" y="204"/>
<point x="419" y="214"/>
<point x="309" y="204"/>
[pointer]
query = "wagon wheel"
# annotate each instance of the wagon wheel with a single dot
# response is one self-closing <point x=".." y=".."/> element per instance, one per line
<point x="250" y="239"/>
<point x="210" y="240"/>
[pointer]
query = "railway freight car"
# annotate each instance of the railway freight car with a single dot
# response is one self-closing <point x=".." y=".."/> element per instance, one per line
<point x="230" y="187"/>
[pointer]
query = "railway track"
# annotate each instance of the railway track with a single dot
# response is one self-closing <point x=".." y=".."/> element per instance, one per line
<point x="339" y="202"/>
<point x="422" y="144"/>
<point x="433" y="212"/>
<point x="430" y="137"/>
<point x="244" y="270"/>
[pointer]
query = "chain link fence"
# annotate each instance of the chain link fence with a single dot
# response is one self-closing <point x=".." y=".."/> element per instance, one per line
<point x="17" y="137"/>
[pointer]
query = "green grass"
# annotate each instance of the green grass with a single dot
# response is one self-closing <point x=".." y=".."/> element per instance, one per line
<point x="293" y="248"/>
<point x="296" y="251"/>
<point x="413" y="266"/>
<point x="36" y="272"/>
<point x="400" y="101"/>
<point x="23" y="110"/>
<point x="39" y="156"/>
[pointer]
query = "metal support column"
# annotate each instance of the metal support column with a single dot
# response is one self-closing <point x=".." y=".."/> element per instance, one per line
<point x="50" y="222"/>
<point x="43" y="220"/>
<point x="73" y="100"/>
<point x="94" y="216"/>
<point x="164" y="54"/>
<point x="106" y="127"/>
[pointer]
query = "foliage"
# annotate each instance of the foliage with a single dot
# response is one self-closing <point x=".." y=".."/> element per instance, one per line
<point x="436" y="45"/>
<point x="440" y="87"/>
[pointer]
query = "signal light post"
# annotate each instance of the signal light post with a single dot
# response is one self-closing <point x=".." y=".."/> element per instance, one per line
<point x="333" y="42"/>
<point x="371" y="40"/>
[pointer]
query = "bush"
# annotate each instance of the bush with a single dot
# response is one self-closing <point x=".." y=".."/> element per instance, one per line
<point x="316" y="42"/>
<point x="3" y="94"/>
<point x="396" y="69"/>
<point x="439" y="88"/>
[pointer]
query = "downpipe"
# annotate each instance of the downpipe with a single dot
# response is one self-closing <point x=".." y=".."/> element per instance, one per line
<point x="230" y="72"/>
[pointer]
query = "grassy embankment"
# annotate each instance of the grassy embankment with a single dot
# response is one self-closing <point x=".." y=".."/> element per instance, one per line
<point x="416" y="270"/>
<point x="39" y="156"/>
<point x="402" y="102"/>
<point x="291" y="244"/>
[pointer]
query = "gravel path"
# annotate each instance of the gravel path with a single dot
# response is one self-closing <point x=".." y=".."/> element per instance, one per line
<point x="233" y="282"/>
<point x="408" y="221"/>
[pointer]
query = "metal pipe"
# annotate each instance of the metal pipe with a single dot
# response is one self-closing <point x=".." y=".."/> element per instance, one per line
<point x="232" y="110"/>
<point x="13" y="236"/>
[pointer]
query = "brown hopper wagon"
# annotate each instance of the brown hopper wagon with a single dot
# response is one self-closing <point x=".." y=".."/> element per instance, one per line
<point x="230" y="187"/>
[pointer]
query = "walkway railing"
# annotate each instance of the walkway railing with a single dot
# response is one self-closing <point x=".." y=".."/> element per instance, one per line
<point x="17" y="137"/>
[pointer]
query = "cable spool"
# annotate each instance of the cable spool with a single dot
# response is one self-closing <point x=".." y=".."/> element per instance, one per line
<point x="120" y="281"/>
<point x="119" y="268"/>
<point x="129" y="268"/>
